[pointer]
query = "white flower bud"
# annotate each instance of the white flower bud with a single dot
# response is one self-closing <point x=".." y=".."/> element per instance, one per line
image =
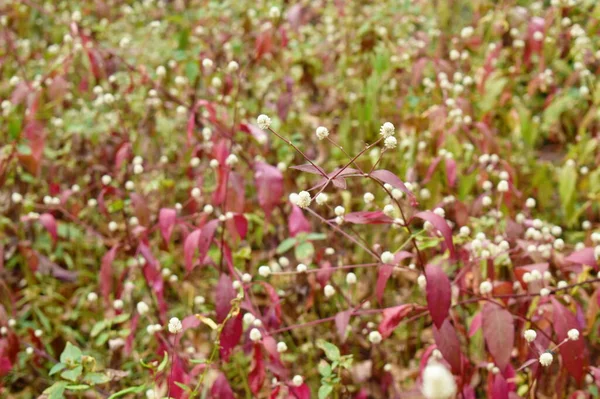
<point x="322" y="132"/>
<point x="255" y="335"/>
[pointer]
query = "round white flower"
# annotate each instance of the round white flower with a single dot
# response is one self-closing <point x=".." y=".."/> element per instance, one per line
<point x="142" y="308"/>
<point x="530" y="203"/>
<point x="339" y="210"/>
<point x="301" y="268"/>
<point x="503" y="186"/>
<point x="264" y="271"/>
<point x="438" y="382"/>
<point x="322" y="198"/>
<point x="106" y="179"/>
<point x="485" y="287"/>
<point x="530" y="335"/>
<point x="388" y="210"/>
<point x="544" y="292"/>
<point x="92" y="297"/>
<point x="297" y="380"/>
<point x="255" y="335"/>
<point x="248" y="318"/>
<point x="233" y="66"/>
<point x="350" y="278"/>
<point x="29" y="350"/>
<point x="387" y="129"/>
<point x="387" y="257"/>
<point x="118" y="304"/>
<point x="329" y="291"/>
<point x="175" y="325"/>
<point x="196" y="192"/>
<point x="281" y="347"/>
<point x="16" y="197"/>
<point x="322" y="132"/>
<point x="390" y="142"/>
<point x="573" y="334"/>
<point x="375" y="337"/>
<point x="246" y="277"/>
<point x="263" y="121"/>
<point x="303" y="200"/>
<point x="368" y="198"/>
<point x="464" y="231"/>
<point x="546" y="359"/>
<point x="231" y="160"/>
<point x="486" y="201"/>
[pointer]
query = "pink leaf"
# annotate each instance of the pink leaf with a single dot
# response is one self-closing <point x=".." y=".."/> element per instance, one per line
<point x="475" y="324"/>
<point x="324" y="273"/>
<point x="49" y="223"/>
<point x="499" y="387"/>
<point x="366" y="217"/>
<point x="166" y="221"/>
<point x="257" y="375"/>
<point x="584" y="256"/>
<point x="189" y="248"/>
<point x="451" y="171"/>
<point x="122" y="155"/>
<point x="439" y="223"/>
<point x="438" y="294"/>
<point x="256" y="132"/>
<point x="392" y="317"/>
<point x="342" y="319"/>
<point x="201" y="239"/>
<point x="221" y="389"/>
<point x="190" y="321"/>
<point x="446" y="340"/>
<point x="177" y="374"/>
<point x="301" y="392"/>
<point x="297" y="223"/>
<point x="224" y="294"/>
<point x="315" y="169"/>
<point x="388" y="177"/>
<point x="269" y="186"/>
<point x="241" y="225"/>
<point x="106" y="277"/>
<point x="383" y="275"/>
<point x="498" y="332"/>
<point x="574" y="353"/>
<point x="231" y="336"/>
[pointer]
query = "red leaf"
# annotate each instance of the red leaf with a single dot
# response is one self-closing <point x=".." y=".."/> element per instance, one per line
<point x="224" y="294"/>
<point x="366" y="217"/>
<point x="392" y="317"/>
<point x="122" y="155"/>
<point x="383" y="275"/>
<point x="221" y="389"/>
<point x="574" y="353"/>
<point x="324" y="273"/>
<point x="269" y="186"/>
<point x="257" y="375"/>
<point x="475" y="324"/>
<point x="498" y="332"/>
<point x="166" y="222"/>
<point x="451" y="171"/>
<point x="49" y="223"/>
<point x="189" y="248"/>
<point x="388" y="177"/>
<point x="231" y="336"/>
<point x="439" y="223"/>
<point x="201" y="239"/>
<point x="584" y="256"/>
<point x="448" y="344"/>
<point x="297" y="223"/>
<point x="106" y="278"/>
<point x="342" y="319"/>
<point x="438" y="294"/>
<point x="301" y="392"/>
<point x="256" y="132"/>
<point x="499" y="387"/>
<point x="274" y="301"/>
<point x="264" y="43"/>
<point x="241" y="225"/>
<point x="177" y="374"/>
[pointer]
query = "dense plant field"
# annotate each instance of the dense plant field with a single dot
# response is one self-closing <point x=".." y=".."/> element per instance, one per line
<point x="297" y="199"/>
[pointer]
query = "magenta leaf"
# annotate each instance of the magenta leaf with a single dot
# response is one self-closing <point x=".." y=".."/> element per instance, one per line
<point x="301" y="392"/>
<point x="49" y="223"/>
<point x="317" y="170"/>
<point x="383" y="275"/>
<point x="499" y="387"/>
<point x="256" y="132"/>
<point x="257" y="375"/>
<point x="574" y="353"/>
<point x="200" y="239"/>
<point x="189" y="248"/>
<point x="451" y="171"/>
<point x="224" y="294"/>
<point x="221" y="389"/>
<point x="584" y="256"/>
<point x="106" y="274"/>
<point x="446" y="340"/>
<point x="166" y="221"/>
<point x="385" y="176"/>
<point x="297" y="223"/>
<point x="231" y="336"/>
<point x="475" y="324"/>
<point x="392" y="317"/>
<point x="341" y="323"/>
<point x="269" y="186"/>
<point x="442" y="226"/>
<point x="367" y="217"/>
<point x="498" y="332"/>
<point x="438" y="294"/>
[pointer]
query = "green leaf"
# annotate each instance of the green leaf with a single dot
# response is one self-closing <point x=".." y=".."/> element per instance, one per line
<point x="96" y="378"/>
<point x="72" y="374"/>
<point x="56" y="390"/>
<point x="183" y="386"/>
<point x="286" y="245"/>
<point x="324" y="369"/>
<point x="121" y="318"/>
<point x="316" y="236"/>
<point x="79" y="387"/>
<point x="493" y="88"/>
<point x="163" y="363"/>
<point x="125" y="391"/>
<point x="331" y="351"/>
<point x="56" y="368"/>
<point x="71" y="354"/>
<point x="567" y="182"/>
<point x="98" y="327"/>
<point x="304" y="251"/>
<point x="325" y="391"/>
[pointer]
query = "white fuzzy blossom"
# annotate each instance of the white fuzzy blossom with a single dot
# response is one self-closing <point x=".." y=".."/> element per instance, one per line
<point x="255" y="335"/>
<point x="322" y="132"/>
<point x="264" y="271"/>
<point x="175" y="325"/>
<point x="263" y="121"/>
<point x="546" y="359"/>
<point x="422" y="281"/>
<point x="142" y="307"/>
<point x="281" y="347"/>
<point x="387" y="129"/>
<point x="322" y="198"/>
<point x="303" y="199"/>
<point x="368" y="198"/>
<point x="390" y="142"/>
<point x="438" y="382"/>
<point x="485" y="287"/>
<point x="350" y="278"/>
<point x="387" y="257"/>
<point x="329" y="291"/>
<point x="529" y="335"/>
<point x="573" y="334"/>
<point x="375" y="337"/>
<point x="297" y="380"/>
